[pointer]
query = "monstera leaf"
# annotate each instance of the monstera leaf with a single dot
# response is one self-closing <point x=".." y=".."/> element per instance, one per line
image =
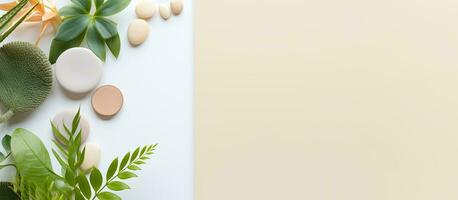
<point x="25" y="78"/>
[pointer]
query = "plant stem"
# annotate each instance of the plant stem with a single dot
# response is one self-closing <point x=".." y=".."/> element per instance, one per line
<point x="6" y="116"/>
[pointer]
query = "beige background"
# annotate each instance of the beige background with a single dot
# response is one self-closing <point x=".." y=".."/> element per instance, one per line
<point x="329" y="99"/>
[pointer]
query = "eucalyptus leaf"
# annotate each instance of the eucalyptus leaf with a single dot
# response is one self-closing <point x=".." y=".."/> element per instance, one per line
<point x="106" y="27"/>
<point x="96" y="179"/>
<point x="111" y="7"/>
<point x="25" y="78"/>
<point x="71" y="10"/>
<point x="95" y="42"/>
<point x="118" y="186"/>
<point x="31" y="157"/>
<point x="72" y="27"/>
<point x="114" y="44"/>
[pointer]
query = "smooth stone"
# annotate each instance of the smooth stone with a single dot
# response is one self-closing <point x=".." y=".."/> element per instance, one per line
<point x="66" y="117"/>
<point x="137" y="32"/>
<point x="107" y="101"/>
<point x="78" y="70"/>
<point x="164" y="11"/>
<point x="145" y="9"/>
<point x="91" y="157"/>
<point x="176" y="6"/>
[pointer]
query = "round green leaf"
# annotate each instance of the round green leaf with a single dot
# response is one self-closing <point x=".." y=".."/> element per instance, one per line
<point x="72" y="27"/>
<point x="111" y="7"/>
<point x="112" y="169"/>
<point x="108" y="196"/>
<point x="25" y="77"/>
<point x="126" y="175"/>
<point x="95" y="42"/>
<point x="72" y="10"/>
<point x="105" y="27"/>
<point x="118" y="186"/>
<point x="96" y="179"/>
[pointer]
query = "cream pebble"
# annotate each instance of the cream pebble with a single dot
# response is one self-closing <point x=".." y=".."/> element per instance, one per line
<point x="91" y="156"/>
<point x="137" y="32"/>
<point x="78" y="70"/>
<point x="145" y="9"/>
<point x="164" y="11"/>
<point x="176" y="6"/>
<point x="66" y="117"/>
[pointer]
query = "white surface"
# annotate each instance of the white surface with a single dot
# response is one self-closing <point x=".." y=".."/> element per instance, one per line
<point x="156" y="79"/>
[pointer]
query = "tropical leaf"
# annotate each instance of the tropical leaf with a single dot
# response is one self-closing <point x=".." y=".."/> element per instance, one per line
<point x="31" y="157"/>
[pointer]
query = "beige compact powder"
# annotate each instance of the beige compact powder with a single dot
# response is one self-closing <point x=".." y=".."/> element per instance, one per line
<point x="107" y="100"/>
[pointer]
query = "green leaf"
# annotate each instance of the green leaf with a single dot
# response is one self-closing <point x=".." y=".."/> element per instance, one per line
<point x="6" y="143"/>
<point x="72" y="10"/>
<point x="98" y="3"/>
<point x="58" y="134"/>
<point x="6" y="191"/>
<point x="112" y="169"/>
<point x="58" y="47"/>
<point x="2" y="157"/>
<point x="59" y="159"/>
<point x="72" y="27"/>
<point x="105" y="27"/>
<point x="6" y="18"/>
<point x="96" y="179"/>
<point x="16" y="24"/>
<point x="69" y="176"/>
<point x="139" y="162"/>
<point x="108" y="196"/>
<point x="76" y="121"/>
<point x="84" y="4"/>
<point x="84" y="186"/>
<point x="114" y="44"/>
<point x="78" y="195"/>
<point x="118" y="186"/>
<point x="135" y="154"/>
<point x="111" y="7"/>
<point x="95" y="42"/>
<point x="31" y="157"/>
<point x="134" y="167"/>
<point x="143" y="150"/>
<point x="126" y="175"/>
<point x="124" y="161"/>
